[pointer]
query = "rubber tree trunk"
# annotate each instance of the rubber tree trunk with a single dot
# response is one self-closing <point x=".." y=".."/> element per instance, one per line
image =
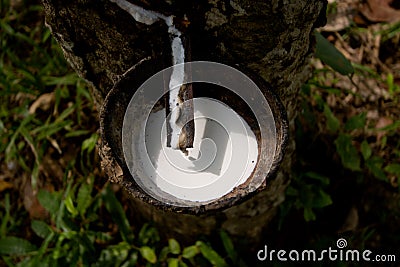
<point x="271" y="38"/>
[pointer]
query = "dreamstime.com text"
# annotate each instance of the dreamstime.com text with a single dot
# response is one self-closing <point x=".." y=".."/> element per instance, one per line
<point x="330" y="254"/>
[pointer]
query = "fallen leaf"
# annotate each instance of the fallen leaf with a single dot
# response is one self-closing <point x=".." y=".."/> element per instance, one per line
<point x="43" y="102"/>
<point x="31" y="203"/>
<point x="380" y="11"/>
<point x="360" y="20"/>
<point x="340" y="17"/>
<point x="351" y="222"/>
<point x="382" y="122"/>
<point x="54" y="143"/>
<point x="5" y="185"/>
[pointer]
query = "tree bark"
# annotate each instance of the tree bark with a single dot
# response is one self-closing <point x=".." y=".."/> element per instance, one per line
<point x="271" y="38"/>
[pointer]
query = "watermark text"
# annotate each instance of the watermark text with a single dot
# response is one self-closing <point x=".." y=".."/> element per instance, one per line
<point x="339" y="253"/>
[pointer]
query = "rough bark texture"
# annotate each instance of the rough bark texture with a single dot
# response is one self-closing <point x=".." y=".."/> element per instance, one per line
<point x="271" y="38"/>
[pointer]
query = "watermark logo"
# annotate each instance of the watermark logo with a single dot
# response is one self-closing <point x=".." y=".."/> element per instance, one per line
<point x="340" y="253"/>
<point x="341" y="243"/>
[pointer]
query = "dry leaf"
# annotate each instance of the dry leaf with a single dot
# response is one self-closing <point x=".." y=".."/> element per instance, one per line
<point x="351" y="221"/>
<point x="5" y="185"/>
<point x="382" y="122"/>
<point x="54" y="143"/>
<point x="31" y="203"/>
<point x="341" y="17"/>
<point x="43" y="102"/>
<point x="380" y="11"/>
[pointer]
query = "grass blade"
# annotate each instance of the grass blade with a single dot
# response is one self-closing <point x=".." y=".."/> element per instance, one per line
<point x="114" y="207"/>
<point x="15" y="246"/>
<point x="332" y="57"/>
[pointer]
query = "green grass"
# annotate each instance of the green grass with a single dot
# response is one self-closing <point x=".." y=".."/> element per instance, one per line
<point x="31" y="66"/>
